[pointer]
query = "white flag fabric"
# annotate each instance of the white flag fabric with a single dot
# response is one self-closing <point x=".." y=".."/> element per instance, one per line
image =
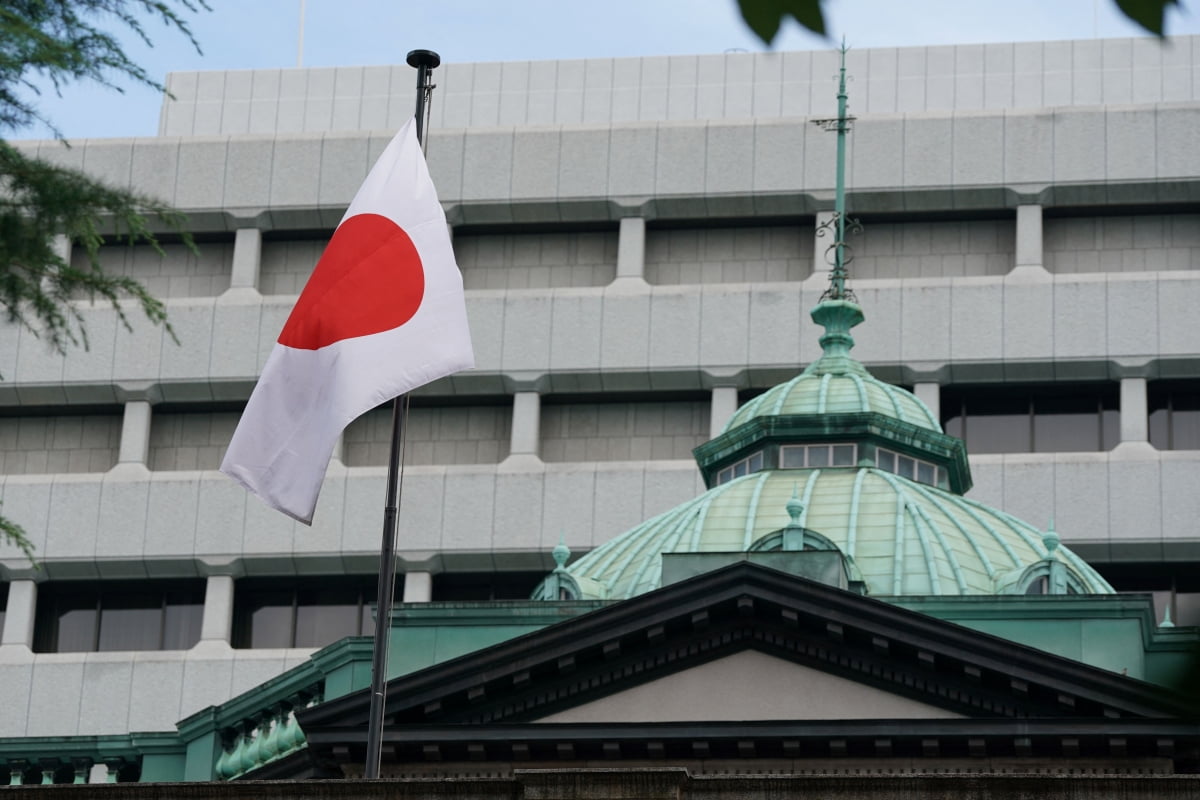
<point x="382" y="313"/>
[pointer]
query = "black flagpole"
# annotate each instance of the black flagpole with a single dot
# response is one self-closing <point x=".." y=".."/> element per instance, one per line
<point x="425" y="62"/>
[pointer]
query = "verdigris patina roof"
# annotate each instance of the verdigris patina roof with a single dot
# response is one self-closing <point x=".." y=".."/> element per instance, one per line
<point x="904" y="537"/>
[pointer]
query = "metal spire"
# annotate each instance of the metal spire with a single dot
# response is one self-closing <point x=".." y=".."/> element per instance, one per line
<point x="838" y="224"/>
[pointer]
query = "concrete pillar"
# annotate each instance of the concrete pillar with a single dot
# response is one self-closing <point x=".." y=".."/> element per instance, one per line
<point x="418" y="587"/>
<point x="1135" y="421"/>
<point x="631" y="249"/>
<point x="821" y="243"/>
<point x="216" y="625"/>
<point x="931" y="395"/>
<point x="135" y="433"/>
<point x="1029" y="237"/>
<point x="526" y="425"/>
<point x="724" y="403"/>
<point x="247" y="259"/>
<point x="19" y="614"/>
<point x="62" y="247"/>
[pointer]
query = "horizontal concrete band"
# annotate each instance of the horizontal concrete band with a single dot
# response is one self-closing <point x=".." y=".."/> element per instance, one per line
<point x="981" y="76"/>
<point x="898" y="162"/>
<point x="170" y="524"/>
<point x="1069" y="327"/>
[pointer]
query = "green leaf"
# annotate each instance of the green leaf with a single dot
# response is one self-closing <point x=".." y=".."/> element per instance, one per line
<point x="766" y="16"/>
<point x="1149" y="14"/>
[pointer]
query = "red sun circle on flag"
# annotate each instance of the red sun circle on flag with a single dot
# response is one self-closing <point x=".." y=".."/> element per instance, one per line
<point x="369" y="280"/>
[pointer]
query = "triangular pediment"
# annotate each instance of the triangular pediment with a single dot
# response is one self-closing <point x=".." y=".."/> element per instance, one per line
<point x="744" y="645"/>
<point x="748" y="685"/>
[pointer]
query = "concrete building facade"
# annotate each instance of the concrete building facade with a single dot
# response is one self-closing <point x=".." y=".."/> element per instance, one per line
<point x="638" y="242"/>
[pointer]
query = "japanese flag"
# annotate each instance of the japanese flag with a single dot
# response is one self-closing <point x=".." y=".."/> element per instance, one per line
<point x="382" y="313"/>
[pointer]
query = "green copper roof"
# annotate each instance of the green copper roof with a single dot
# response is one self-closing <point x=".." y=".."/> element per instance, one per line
<point x="836" y="382"/>
<point x="905" y="538"/>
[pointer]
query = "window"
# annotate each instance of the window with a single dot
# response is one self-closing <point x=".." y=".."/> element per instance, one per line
<point x="482" y="586"/>
<point x="1174" y="585"/>
<point x="1174" y="414"/>
<point x="801" y="456"/>
<point x="3" y="603"/>
<point x="303" y="612"/>
<point x="752" y="463"/>
<point x="1033" y="419"/>
<point x="912" y="468"/>
<point x="126" y="615"/>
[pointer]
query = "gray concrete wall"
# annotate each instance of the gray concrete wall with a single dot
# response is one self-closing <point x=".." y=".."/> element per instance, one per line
<point x="763" y="85"/>
<point x="1142" y="243"/>
<point x="746" y="254"/>
<point x="536" y="260"/>
<point x="176" y="272"/>
<point x="452" y="435"/>
<point x="918" y="162"/>
<point x="38" y="444"/>
<point x="189" y="440"/>
<point x="623" y="431"/>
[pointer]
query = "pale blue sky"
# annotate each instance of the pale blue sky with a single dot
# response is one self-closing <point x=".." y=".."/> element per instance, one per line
<point x="244" y="34"/>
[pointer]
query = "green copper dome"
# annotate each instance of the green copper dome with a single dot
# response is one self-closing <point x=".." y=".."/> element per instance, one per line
<point x="836" y="383"/>
<point x="835" y="461"/>
<point x="903" y="537"/>
<point x="849" y="392"/>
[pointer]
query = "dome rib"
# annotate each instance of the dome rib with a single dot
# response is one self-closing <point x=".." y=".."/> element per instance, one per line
<point x="863" y="399"/>
<point x="955" y="567"/>
<point x="748" y="536"/>
<point x="807" y="498"/>
<point x="823" y="393"/>
<point x="979" y="552"/>
<point x="898" y="549"/>
<point x="931" y="565"/>
<point x="852" y="525"/>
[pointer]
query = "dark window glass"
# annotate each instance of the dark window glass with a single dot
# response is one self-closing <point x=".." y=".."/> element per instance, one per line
<point x="1174" y="414"/>
<point x="818" y="456"/>
<point x="925" y="472"/>
<point x="1174" y="585"/>
<point x="181" y="620"/>
<point x="904" y="467"/>
<point x="843" y="455"/>
<point x="131" y="621"/>
<point x="1022" y="419"/>
<point x="467" y="586"/>
<point x="886" y="460"/>
<point x="792" y="457"/>
<point x="739" y="469"/>
<point x="3" y="603"/>
<point x="269" y="619"/>
<point x="326" y="615"/>
<point x="118" y="615"/>
<point x="756" y="462"/>
<point x="1187" y="608"/>
<point x="313" y="611"/>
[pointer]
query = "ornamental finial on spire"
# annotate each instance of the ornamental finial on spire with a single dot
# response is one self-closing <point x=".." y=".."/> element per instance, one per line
<point x="837" y="253"/>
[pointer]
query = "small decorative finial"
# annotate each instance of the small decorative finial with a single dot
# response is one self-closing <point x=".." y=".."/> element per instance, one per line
<point x="560" y="553"/>
<point x="1166" y="620"/>
<point x="1051" y="539"/>
<point x="795" y="507"/>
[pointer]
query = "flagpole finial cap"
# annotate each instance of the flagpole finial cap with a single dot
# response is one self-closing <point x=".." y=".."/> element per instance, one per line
<point x="423" y="58"/>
